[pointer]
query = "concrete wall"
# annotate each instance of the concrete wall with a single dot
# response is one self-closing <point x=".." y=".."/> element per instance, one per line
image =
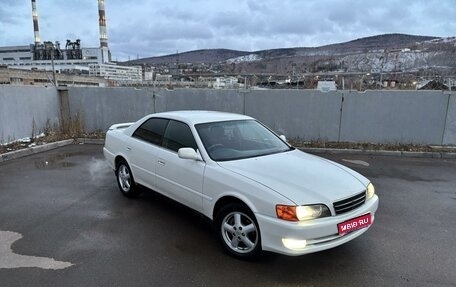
<point x="305" y="114"/>
<point x="420" y="117"/>
<point x="20" y="106"/>
<point x="200" y="99"/>
<point x="99" y="108"/>
<point x="394" y="117"/>
<point x="449" y="136"/>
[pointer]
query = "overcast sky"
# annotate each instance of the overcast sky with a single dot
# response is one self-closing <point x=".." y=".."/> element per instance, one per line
<point x="153" y="28"/>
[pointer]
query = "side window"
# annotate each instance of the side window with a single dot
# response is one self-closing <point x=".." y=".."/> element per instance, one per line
<point x="152" y="130"/>
<point x="178" y="135"/>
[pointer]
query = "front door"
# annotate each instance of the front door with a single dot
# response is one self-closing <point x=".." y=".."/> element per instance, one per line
<point x="180" y="179"/>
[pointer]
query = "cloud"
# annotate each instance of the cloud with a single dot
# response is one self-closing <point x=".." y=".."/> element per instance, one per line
<point x="155" y="27"/>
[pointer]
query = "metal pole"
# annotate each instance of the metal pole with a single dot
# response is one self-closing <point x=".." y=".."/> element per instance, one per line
<point x="53" y="68"/>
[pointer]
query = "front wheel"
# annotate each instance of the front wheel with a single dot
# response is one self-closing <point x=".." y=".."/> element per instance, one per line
<point x="125" y="180"/>
<point x="238" y="231"/>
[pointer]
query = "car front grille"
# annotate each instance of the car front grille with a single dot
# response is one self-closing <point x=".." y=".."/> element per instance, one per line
<point x="353" y="202"/>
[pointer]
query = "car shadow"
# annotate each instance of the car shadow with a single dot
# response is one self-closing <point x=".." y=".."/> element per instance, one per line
<point x="191" y="230"/>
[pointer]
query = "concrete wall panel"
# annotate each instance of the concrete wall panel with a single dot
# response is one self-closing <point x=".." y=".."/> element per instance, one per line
<point x="394" y="117"/>
<point x="449" y="137"/>
<point x="202" y="99"/>
<point x="100" y="108"/>
<point x="307" y="114"/>
<point x="420" y="117"/>
<point x="21" y="105"/>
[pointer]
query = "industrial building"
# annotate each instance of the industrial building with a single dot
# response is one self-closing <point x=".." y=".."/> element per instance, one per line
<point x="12" y="76"/>
<point x="121" y="74"/>
<point x="73" y="58"/>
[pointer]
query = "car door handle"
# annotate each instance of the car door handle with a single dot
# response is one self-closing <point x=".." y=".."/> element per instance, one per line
<point x="128" y="148"/>
<point x="161" y="162"/>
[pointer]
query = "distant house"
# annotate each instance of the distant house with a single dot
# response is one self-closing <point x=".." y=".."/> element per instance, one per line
<point x="225" y="83"/>
<point x="326" y="86"/>
<point x="163" y="78"/>
<point x="432" y="85"/>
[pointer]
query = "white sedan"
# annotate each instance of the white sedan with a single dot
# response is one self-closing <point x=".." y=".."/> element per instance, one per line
<point x="259" y="192"/>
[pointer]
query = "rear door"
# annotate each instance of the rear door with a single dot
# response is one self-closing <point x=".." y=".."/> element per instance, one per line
<point x="181" y="179"/>
<point x="143" y="148"/>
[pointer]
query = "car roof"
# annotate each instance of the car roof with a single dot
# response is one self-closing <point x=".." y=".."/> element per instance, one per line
<point x="198" y="117"/>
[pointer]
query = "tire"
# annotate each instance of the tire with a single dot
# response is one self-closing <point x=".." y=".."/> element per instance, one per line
<point x="238" y="231"/>
<point x="125" y="180"/>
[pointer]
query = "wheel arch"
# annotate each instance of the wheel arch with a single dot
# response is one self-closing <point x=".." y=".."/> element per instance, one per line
<point x="228" y="199"/>
<point x="132" y="190"/>
<point x="118" y="159"/>
<point x="220" y="215"/>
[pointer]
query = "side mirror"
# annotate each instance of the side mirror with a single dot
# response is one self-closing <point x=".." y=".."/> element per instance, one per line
<point x="187" y="153"/>
<point x="284" y="138"/>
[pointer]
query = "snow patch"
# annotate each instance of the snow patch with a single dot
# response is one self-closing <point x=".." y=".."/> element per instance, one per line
<point x="9" y="259"/>
<point x="246" y="58"/>
<point x="391" y="62"/>
<point x="23" y="140"/>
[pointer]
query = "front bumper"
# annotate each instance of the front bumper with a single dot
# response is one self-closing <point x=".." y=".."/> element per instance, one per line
<point x="320" y="234"/>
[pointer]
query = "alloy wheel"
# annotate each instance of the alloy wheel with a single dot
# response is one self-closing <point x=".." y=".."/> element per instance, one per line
<point x="239" y="232"/>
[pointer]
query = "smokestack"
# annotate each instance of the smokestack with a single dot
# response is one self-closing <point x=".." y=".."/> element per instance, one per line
<point x="102" y="24"/>
<point x="36" y="29"/>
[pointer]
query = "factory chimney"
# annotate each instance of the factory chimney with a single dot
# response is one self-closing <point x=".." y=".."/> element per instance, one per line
<point x="36" y="29"/>
<point x="102" y="24"/>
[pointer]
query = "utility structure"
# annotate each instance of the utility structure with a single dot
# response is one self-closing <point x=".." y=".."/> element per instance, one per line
<point x="105" y="53"/>
<point x="36" y="29"/>
<point x="102" y="24"/>
<point x="72" y="57"/>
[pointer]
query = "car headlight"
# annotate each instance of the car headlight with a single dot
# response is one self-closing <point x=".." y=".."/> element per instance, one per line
<point x="302" y="212"/>
<point x="370" y="191"/>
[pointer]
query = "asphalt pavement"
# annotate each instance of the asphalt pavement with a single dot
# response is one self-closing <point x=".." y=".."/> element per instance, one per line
<point x="63" y="222"/>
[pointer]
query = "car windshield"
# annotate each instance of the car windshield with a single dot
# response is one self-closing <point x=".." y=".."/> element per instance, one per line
<point x="231" y="140"/>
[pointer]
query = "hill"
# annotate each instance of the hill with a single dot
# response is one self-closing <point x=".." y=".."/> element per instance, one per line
<point x="381" y="53"/>
<point x="359" y="45"/>
<point x="208" y="56"/>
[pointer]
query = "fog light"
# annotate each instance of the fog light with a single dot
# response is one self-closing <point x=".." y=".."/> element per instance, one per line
<point x="294" y="244"/>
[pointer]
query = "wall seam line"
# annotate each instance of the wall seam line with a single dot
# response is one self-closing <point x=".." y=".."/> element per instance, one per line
<point x="340" y="115"/>
<point x="446" y="119"/>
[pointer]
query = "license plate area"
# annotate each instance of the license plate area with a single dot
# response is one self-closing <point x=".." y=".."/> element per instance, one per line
<point x="354" y="224"/>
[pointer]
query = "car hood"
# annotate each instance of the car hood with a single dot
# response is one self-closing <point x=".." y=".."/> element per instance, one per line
<point x="301" y="177"/>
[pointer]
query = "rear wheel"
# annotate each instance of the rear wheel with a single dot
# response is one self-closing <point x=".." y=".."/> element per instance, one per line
<point x="238" y="231"/>
<point x="125" y="180"/>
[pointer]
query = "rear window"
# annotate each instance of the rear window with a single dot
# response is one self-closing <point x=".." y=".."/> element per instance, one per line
<point x="152" y="130"/>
